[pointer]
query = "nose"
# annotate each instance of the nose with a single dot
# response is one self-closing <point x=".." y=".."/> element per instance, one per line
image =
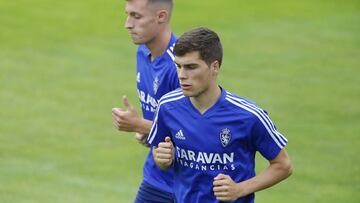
<point x="181" y="74"/>
<point x="128" y="23"/>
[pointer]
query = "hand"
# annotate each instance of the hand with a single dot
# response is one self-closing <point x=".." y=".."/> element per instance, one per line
<point x="164" y="154"/>
<point x="225" y="189"/>
<point x="141" y="138"/>
<point x="127" y="120"/>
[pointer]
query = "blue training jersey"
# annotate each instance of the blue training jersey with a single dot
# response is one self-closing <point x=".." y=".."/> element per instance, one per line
<point x="224" y="139"/>
<point x="154" y="79"/>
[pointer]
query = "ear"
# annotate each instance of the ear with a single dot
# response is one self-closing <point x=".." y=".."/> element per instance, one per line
<point x="215" y="66"/>
<point x="162" y="16"/>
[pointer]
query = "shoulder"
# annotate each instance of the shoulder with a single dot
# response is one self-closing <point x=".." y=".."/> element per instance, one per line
<point x="172" y="97"/>
<point x="250" y="110"/>
<point x="169" y="53"/>
<point x="243" y="106"/>
<point x="170" y="101"/>
<point x="234" y="97"/>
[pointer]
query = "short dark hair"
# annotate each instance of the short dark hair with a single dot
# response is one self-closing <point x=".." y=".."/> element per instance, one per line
<point x="204" y="40"/>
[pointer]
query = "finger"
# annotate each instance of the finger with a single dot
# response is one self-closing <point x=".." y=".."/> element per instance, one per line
<point x="220" y="176"/>
<point x="116" y="126"/>
<point x="126" y="102"/>
<point x="116" y="118"/>
<point x="116" y="110"/>
<point x="220" y="182"/>
<point x="223" y="198"/>
<point x="165" y="156"/>
<point x="163" y="150"/>
<point x="221" y="188"/>
<point x="165" y="145"/>
<point x="140" y="137"/>
<point x="221" y="194"/>
<point x="118" y="113"/>
<point x="113" y="110"/>
<point x="154" y="151"/>
<point x="167" y="139"/>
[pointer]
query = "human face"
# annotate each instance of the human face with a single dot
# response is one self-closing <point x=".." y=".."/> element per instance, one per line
<point x="141" y="21"/>
<point x="196" y="77"/>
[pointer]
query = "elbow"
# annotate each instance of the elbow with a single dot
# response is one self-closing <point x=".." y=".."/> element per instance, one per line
<point x="285" y="165"/>
<point x="287" y="169"/>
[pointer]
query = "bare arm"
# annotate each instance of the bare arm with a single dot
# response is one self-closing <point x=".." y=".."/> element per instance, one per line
<point x="279" y="169"/>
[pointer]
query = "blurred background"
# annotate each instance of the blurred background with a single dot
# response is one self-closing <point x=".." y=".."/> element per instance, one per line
<point x="65" y="64"/>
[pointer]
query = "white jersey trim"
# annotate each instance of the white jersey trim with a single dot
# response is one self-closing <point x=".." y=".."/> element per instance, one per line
<point x="170" y="54"/>
<point x="279" y="139"/>
<point x="171" y="96"/>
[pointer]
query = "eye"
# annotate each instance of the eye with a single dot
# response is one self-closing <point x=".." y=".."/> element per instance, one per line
<point x="191" y="66"/>
<point x="137" y="16"/>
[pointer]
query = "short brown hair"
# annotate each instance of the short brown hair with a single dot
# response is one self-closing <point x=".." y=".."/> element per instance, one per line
<point x="204" y="40"/>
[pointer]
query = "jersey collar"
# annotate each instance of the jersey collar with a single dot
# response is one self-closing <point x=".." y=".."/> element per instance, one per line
<point x="194" y="112"/>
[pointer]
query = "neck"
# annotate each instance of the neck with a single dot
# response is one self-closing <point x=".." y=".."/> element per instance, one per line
<point x="158" y="45"/>
<point x="206" y="99"/>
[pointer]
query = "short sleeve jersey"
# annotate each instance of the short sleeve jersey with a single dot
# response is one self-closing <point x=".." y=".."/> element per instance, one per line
<point x="154" y="79"/>
<point x="224" y="139"/>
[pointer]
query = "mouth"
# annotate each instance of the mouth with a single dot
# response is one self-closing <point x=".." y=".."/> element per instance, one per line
<point x="134" y="36"/>
<point x="185" y="86"/>
<point x="132" y="33"/>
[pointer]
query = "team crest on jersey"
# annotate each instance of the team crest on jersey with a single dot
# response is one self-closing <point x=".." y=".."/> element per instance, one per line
<point x="156" y="84"/>
<point x="225" y="137"/>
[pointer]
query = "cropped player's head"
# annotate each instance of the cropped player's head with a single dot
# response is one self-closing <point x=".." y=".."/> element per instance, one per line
<point x="147" y="18"/>
<point x="198" y="56"/>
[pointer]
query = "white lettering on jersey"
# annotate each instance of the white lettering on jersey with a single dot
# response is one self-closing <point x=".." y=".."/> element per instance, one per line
<point x="204" y="160"/>
<point x="148" y="102"/>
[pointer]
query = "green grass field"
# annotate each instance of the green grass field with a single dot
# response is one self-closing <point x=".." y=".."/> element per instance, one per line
<point x="65" y="64"/>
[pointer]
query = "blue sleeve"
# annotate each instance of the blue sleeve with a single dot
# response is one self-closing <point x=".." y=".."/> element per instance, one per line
<point x="265" y="138"/>
<point x="158" y="130"/>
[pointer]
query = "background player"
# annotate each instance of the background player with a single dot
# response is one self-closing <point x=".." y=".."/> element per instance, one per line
<point x="148" y="22"/>
<point x="211" y="136"/>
